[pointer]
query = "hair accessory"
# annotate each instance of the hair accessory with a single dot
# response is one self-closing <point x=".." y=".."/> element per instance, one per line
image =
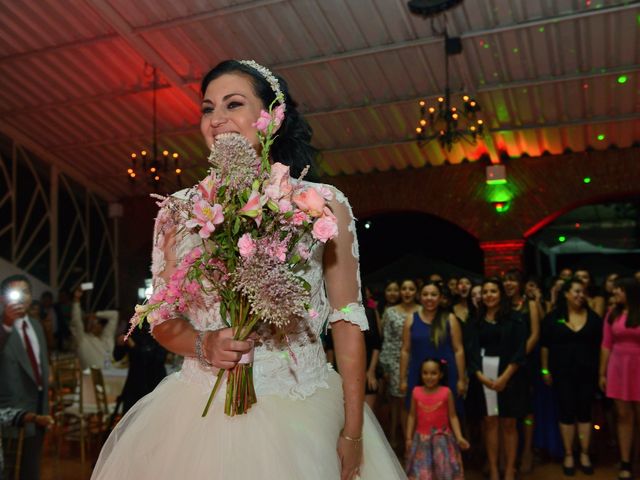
<point x="268" y="76"/>
<point x="443" y="361"/>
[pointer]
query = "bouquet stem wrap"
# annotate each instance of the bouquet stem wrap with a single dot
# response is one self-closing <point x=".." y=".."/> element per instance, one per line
<point x="241" y="394"/>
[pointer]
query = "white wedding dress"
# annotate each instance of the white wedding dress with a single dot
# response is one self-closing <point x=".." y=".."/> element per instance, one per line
<point x="291" y="432"/>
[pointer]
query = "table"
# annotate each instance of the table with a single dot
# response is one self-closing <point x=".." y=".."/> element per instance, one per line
<point x="114" y="379"/>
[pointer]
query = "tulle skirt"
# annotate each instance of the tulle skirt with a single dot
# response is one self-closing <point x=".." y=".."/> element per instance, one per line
<point x="164" y="437"/>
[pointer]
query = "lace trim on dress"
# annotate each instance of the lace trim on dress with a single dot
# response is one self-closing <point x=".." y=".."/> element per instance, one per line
<point x="353" y="313"/>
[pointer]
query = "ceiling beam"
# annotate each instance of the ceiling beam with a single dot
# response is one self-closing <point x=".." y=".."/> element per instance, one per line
<point x="45" y="154"/>
<point x="130" y="138"/>
<point x="503" y="128"/>
<point x="198" y="17"/>
<point x="108" y="96"/>
<point x="142" y="47"/>
<point x="533" y="82"/>
<point x="61" y="47"/>
<point x="360" y="106"/>
<point x="420" y="42"/>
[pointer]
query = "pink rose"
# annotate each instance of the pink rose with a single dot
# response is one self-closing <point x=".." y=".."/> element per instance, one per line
<point x="324" y="229"/>
<point x="278" y="184"/>
<point x="246" y="245"/>
<point x="310" y="202"/>
<point x="262" y="124"/>
<point x="285" y="205"/>
<point x="299" y="217"/>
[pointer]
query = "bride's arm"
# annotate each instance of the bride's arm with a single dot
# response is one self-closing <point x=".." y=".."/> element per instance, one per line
<point x="342" y="280"/>
<point x="176" y="334"/>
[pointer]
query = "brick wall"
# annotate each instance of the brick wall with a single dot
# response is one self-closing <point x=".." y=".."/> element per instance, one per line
<point x="543" y="188"/>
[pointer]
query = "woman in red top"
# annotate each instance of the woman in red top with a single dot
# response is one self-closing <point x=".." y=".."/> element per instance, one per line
<point x="620" y="363"/>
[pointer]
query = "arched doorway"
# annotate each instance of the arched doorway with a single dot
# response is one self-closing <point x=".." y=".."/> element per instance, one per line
<point x="414" y="244"/>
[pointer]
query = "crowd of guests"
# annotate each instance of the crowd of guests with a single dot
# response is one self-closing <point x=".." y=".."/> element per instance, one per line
<point x="455" y="360"/>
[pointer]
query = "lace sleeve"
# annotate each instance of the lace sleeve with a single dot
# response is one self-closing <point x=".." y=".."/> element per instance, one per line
<point x="163" y="254"/>
<point x="342" y="269"/>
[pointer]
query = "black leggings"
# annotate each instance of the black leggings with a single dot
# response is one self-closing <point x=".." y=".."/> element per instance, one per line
<point x="574" y="394"/>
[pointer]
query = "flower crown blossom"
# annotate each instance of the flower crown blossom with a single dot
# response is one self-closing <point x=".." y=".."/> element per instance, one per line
<point x="269" y="77"/>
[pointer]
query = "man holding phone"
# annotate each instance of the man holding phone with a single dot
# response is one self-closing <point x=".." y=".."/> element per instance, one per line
<point x="24" y="367"/>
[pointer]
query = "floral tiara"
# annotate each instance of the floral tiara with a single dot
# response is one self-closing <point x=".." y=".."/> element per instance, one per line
<point x="268" y="76"/>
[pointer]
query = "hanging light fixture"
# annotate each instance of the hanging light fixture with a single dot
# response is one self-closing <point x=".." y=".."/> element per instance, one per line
<point x="444" y="121"/>
<point x="148" y="164"/>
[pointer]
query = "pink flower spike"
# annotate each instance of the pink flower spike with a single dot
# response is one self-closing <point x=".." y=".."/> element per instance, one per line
<point x="263" y="121"/>
<point x="247" y="246"/>
<point x="278" y="114"/>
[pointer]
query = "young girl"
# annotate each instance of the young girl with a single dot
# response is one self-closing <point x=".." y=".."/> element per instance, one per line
<point x="433" y="444"/>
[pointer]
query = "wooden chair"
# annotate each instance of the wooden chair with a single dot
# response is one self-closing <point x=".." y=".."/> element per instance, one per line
<point x="68" y="410"/>
<point x="103" y="407"/>
<point x="12" y="449"/>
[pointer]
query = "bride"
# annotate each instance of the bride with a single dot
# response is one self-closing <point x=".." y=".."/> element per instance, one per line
<point x="309" y="422"/>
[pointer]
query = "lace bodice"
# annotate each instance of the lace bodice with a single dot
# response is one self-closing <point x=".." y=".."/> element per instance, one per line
<point x="295" y="369"/>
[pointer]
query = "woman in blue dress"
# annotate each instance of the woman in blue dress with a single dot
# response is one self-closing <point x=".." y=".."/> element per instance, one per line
<point x="433" y="332"/>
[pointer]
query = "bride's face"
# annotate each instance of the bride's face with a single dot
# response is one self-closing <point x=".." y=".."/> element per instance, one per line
<point x="230" y="105"/>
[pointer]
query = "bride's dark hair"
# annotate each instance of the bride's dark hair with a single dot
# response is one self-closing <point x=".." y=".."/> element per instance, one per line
<point x="292" y="145"/>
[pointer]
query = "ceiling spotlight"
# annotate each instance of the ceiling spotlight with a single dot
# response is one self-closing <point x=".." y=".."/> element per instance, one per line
<point x="427" y="8"/>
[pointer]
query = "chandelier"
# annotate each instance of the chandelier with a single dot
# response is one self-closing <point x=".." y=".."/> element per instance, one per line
<point x="147" y="164"/>
<point x="443" y="121"/>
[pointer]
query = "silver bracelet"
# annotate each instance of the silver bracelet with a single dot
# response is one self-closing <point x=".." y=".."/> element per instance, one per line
<point x="199" y="352"/>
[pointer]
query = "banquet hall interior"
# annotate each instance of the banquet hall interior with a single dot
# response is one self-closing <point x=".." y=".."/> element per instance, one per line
<point x="473" y="138"/>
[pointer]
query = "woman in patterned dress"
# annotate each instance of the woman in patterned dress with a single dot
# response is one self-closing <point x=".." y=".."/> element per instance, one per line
<point x="393" y="321"/>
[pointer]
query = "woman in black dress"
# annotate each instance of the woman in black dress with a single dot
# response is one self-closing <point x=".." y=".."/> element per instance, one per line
<point x="496" y="352"/>
<point x="571" y="338"/>
<point x="146" y="365"/>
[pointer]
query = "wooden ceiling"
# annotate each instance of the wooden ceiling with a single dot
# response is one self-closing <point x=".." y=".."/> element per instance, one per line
<point x="551" y="76"/>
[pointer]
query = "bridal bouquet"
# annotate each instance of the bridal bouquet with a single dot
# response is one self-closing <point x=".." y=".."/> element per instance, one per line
<point x="255" y="226"/>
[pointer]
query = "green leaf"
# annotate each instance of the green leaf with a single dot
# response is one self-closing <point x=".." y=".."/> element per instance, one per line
<point x="295" y="259"/>
<point x="236" y="226"/>
<point x="305" y="284"/>
<point x="272" y="205"/>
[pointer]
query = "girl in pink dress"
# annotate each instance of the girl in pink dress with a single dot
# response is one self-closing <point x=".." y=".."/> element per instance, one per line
<point x="620" y="364"/>
<point x="434" y="438"/>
